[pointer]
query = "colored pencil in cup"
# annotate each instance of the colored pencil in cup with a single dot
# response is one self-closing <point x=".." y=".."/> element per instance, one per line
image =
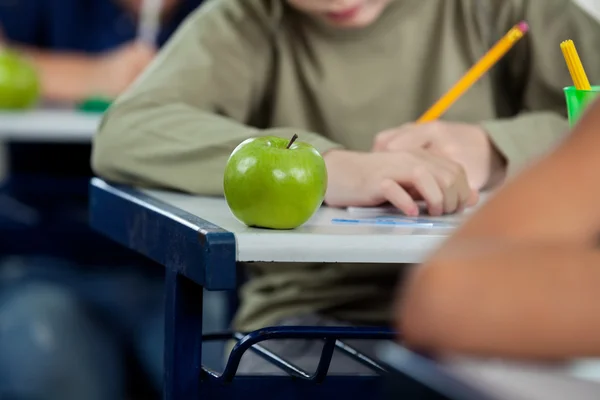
<point x="476" y="72"/>
<point x="580" y="79"/>
<point x="149" y="22"/>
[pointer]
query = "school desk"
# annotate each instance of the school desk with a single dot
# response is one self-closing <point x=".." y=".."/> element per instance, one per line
<point x="48" y="150"/>
<point x="471" y="378"/>
<point x="199" y="243"/>
<point x="48" y="126"/>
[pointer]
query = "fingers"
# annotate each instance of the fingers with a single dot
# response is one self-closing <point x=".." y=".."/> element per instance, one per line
<point x="400" y="178"/>
<point x="454" y="182"/>
<point x="455" y="187"/>
<point x="473" y="198"/>
<point x="382" y="139"/>
<point x="452" y="200"/>
<point x="429" y="189"/>
<point x="403" y="138"/>
<point x="441" y="183"/>
<point x="398" y="197"/>
<point x="406" y="137"/>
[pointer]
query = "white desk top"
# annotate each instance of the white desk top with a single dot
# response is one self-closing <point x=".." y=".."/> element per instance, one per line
<point x="48" y="126"/>
<point x="319" y="240"/>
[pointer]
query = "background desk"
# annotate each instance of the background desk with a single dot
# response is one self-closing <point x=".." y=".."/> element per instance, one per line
<point x="48" y="126"/>
<point x="199" y="242"/>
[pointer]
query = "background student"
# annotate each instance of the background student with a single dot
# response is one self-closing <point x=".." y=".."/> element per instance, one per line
<point x="348" y="77"/>
<point x="520" y="279"/>
<point x="69" y="325"/>
<point x="84" y="49"/>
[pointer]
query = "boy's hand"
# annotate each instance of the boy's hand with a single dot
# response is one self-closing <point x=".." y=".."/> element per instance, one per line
<point x="113" y="72"/>
<point x="401" y="178"/>
<point x="466" y="144"/>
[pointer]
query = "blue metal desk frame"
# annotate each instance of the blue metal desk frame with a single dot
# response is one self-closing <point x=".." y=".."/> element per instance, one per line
<point x="196" y="254"/>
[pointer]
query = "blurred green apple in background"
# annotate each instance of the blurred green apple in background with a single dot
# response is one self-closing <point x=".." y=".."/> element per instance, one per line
<point x="275" y="183"/>
<point x="19" y="82"/>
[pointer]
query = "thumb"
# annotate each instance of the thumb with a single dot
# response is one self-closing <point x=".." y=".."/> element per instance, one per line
<point x="409" y="137"/>
<point x="382" y="138"/>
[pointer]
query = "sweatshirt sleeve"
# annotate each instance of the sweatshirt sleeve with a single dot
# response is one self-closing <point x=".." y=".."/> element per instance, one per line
<point x="535" y="73"/>
<point x="176" y="126"/>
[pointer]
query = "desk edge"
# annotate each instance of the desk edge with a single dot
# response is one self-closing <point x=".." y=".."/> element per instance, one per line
<point x="201" y="251"/>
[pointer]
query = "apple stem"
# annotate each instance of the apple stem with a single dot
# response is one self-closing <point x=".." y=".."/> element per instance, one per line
<point x="292" y="141"/>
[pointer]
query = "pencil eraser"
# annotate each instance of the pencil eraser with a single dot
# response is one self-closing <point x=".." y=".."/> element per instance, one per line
<point x="523" y="26"/>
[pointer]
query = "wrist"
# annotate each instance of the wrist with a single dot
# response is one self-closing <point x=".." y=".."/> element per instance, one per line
<point x="333" y="154"/>
<point x="341" y="177"/>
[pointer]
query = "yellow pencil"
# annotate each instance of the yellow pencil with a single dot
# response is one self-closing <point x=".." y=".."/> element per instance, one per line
<point x="476" y="72"/>
<point x="580" y="79"/>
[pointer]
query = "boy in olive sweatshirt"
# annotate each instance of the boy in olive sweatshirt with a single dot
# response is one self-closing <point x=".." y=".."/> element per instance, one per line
<point x="348" y="76"/>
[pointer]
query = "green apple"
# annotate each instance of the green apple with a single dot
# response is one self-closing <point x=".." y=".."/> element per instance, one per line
<point x="19" y="82"/>
<point x="275" y="183"/>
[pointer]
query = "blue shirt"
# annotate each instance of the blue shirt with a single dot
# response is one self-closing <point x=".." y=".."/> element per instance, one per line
<point x="89" y="26"/>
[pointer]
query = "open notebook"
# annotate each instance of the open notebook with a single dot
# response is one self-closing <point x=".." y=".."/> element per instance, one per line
<point x="471" y="379"/>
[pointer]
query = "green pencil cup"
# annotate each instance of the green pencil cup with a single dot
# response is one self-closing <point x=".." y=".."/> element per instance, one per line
<point x="578" y="100"/>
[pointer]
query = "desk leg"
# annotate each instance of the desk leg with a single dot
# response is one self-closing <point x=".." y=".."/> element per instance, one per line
<point x="183" y="338"/>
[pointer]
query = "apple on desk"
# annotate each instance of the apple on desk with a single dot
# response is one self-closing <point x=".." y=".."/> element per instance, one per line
<point x="276" y="183"/>
<point x="20" y="86"/>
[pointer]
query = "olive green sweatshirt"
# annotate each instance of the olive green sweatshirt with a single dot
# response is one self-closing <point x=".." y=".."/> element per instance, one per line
<point x="241" y="68"/>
